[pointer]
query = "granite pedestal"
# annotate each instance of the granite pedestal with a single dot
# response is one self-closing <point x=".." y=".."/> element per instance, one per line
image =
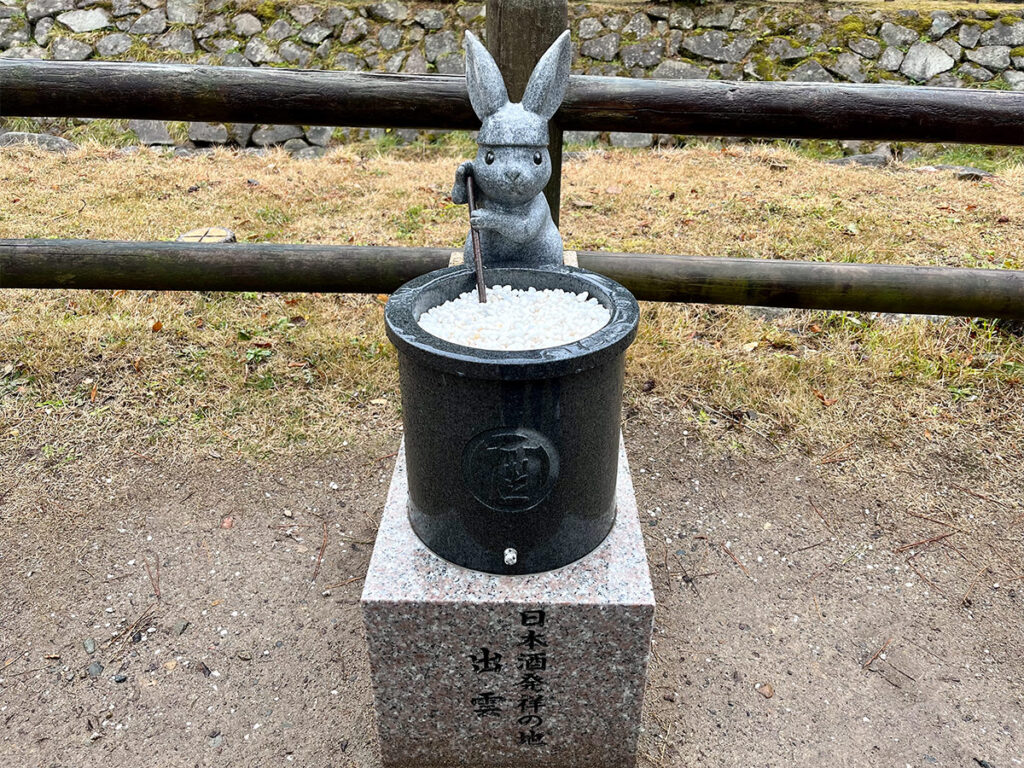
<point x="474" y="669"/>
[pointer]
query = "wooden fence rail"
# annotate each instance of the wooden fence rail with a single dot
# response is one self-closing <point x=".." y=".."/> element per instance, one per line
<point x="100" y="264"/>
<point x="34" y="88"/>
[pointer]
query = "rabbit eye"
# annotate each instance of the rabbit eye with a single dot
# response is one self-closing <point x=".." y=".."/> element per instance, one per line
<point x="489" y="158"/>
<point x="537" y="158"/>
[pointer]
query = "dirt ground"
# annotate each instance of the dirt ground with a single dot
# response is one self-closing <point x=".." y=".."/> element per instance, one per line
<point x="795" y="624"/>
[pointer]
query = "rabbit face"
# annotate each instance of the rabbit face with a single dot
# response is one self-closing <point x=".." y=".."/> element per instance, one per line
<point x="512" y="175"/>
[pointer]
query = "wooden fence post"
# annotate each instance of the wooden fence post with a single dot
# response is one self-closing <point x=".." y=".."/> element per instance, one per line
<point x="518" y="33"/>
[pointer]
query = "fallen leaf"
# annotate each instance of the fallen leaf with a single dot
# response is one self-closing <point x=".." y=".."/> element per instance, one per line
<point x="1003" y="220"/>
<point x="927" y="434"/>
<point x="298" y="321"/>
<point x="379" y="401"/>
<point x="227" y="522"/>
<point x="92" y="395"/>
<point x="615" y="190"/>
<point x="750" y="346"/>
<point x="648" y="385"/>
<point x="826" y="400"/>
<point x="157" y="326"/>
<point x="814" y="328"/>
<point x="582" y="203"/>
<point x="200" y="322"/>
<point x="765" y="689"/>
<point x="170" y="665"/>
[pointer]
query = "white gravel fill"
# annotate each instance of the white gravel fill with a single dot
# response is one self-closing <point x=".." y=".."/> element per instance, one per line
<point x="516" y="319"/>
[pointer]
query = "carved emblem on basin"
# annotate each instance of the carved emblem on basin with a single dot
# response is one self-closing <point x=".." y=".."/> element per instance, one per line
<point x="510" y="470"/>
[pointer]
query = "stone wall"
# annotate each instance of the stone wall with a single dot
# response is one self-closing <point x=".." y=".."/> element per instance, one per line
<point x="733" y="41"/>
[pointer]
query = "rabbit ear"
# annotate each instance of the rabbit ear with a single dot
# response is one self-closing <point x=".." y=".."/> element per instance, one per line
<point x="486" y="87"/>
<point x="550" y="78"/>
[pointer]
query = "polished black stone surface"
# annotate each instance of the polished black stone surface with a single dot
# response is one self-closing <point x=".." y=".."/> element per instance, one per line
<point x="511" y="450"/>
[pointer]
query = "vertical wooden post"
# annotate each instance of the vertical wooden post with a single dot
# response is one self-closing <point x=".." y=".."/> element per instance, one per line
<point x="518" y="33"/>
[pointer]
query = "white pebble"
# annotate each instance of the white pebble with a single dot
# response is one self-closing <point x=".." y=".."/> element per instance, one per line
<point x="515" y="319"/>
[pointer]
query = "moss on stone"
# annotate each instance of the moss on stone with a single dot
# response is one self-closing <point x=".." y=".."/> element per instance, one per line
<point x="827" y="59"/>
<point x="772" y="25"/>
<point x="1018" y="51"/>
<point x="788" y="20"/>
<point x="793" y="41"/>
<point x="765" y="67"/>
<point x="267" y="11"/>
<point x="919" y="24"/>
<point x="850" y="26"/>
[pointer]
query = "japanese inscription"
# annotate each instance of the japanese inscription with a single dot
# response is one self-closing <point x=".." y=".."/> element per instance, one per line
<point x="532" y="662"/>
<point x="527" y="704"/>
<point x="487" y="704"/>
<point x="486" y="661"/>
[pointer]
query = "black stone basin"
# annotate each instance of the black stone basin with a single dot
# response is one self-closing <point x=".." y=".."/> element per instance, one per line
<point x="512" y="456"/>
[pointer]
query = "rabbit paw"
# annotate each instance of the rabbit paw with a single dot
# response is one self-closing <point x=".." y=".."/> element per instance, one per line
<point x="484" y="219"/>
<point x="459" y="196"/>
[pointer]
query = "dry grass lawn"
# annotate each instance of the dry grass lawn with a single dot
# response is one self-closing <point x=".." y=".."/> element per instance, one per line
<point x="269" y="373"/>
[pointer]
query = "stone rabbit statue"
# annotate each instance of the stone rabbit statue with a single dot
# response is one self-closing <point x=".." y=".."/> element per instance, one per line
<point x="512" y="164"/>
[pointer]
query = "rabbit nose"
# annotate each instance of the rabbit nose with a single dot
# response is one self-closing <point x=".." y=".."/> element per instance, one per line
<point x="514" y="175"/>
